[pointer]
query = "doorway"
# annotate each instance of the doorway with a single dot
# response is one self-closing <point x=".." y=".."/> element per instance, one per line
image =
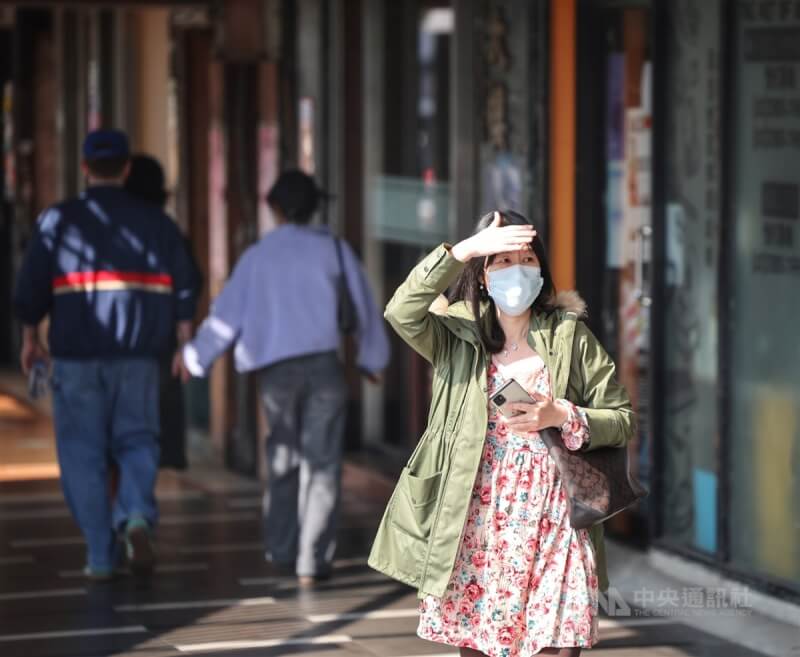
<point x="613" y="204"/>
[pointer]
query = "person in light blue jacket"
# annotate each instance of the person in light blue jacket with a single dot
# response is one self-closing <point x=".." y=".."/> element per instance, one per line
<point x="279" y="311"/>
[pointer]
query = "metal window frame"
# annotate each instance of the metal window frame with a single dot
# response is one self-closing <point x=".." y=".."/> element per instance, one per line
<point x="657" y="367"/>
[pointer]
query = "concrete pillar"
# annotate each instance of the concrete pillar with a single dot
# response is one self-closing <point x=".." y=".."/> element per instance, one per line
<point x="150" y="96"/>
<point x="464" y="131"/>
<point x="373" y="131"/>
<point x="563" y="153"/>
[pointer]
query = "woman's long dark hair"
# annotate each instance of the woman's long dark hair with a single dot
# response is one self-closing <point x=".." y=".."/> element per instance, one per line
<point x="469" y="286"/>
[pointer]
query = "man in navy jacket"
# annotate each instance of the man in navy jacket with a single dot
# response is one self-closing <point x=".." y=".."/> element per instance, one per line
<point x="115" y="279"/>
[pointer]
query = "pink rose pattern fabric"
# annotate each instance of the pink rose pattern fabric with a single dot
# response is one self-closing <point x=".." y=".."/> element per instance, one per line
<point x="524" y="579"/>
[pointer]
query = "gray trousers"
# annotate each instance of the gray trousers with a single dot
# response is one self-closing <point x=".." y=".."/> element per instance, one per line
<point x="305" y="400"/>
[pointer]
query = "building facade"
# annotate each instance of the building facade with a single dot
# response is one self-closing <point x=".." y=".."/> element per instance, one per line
<point x="655" y="144"/>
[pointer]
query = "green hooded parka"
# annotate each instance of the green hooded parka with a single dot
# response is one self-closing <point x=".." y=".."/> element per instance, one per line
<point x="419" y="536"/>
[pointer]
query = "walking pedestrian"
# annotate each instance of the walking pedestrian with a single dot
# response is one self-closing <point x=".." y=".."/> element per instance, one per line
<point x="112" y="273"/>
<point x="146" y="180"/>
<point x="479" y="521"/>
<point x="280" y="310"/>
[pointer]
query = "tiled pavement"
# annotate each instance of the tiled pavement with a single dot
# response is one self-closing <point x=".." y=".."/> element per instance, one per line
<point x="211" y="594"/>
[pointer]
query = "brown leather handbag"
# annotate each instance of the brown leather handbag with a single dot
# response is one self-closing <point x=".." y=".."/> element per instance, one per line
<point x="599" y="483"/>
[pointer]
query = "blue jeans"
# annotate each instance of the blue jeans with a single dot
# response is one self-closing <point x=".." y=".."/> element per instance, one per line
<point x="107" y="410"/>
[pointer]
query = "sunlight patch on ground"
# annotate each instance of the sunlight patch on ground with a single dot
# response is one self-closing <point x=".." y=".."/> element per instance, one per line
<point x="26" y="471"/>
<point x="14" y="410"/>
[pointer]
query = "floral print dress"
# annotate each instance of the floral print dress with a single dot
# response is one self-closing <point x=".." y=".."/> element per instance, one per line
<point x="524" y="579"/>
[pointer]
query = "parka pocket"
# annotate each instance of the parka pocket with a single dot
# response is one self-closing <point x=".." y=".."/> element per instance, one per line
<point x="414" y="508"/>
<point x="422" y="490"/>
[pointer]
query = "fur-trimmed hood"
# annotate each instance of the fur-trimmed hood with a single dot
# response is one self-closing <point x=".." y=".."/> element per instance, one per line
<point x="569" y="301"/>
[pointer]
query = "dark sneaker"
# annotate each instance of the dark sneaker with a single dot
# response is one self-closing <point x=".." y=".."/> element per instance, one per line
<point x="139" y="547"/>
<point x="277" y="569"/>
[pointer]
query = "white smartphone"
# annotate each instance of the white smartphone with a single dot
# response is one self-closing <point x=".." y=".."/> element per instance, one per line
<point x="511" y="392"/>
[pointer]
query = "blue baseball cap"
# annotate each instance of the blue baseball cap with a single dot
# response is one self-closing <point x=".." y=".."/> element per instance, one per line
<point x="103" y="144"/>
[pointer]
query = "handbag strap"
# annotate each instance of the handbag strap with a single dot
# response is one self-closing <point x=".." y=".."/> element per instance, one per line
<point x="340" y="258"/>
<point x="565" y="344"/>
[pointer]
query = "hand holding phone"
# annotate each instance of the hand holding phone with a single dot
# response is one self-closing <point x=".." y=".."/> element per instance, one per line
<point x="511" y="392"/>
<point x="537" y="411"/>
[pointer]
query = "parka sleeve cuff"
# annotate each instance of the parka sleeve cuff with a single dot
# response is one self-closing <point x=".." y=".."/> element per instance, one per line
<point x="439" y="268"/>
<point x="575" y="430"/>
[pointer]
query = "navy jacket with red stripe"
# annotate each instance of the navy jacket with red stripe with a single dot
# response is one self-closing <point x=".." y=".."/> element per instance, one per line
<point x="112" y="272"/>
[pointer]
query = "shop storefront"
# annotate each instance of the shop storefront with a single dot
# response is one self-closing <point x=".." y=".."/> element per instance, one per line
<point x="731" y="366"/>
<point x="407" y="182"/>
<point x="447" y="134"/>
<point x="687" y="190"/>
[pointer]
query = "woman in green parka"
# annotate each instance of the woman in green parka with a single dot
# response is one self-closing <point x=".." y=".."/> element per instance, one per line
<point x="478" y="522"/>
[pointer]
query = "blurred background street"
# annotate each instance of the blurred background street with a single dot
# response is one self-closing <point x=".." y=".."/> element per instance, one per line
<point x="654" y="143"/>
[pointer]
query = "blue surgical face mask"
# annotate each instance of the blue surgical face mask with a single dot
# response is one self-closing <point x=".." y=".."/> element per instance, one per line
<point x="515" y="288"/>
